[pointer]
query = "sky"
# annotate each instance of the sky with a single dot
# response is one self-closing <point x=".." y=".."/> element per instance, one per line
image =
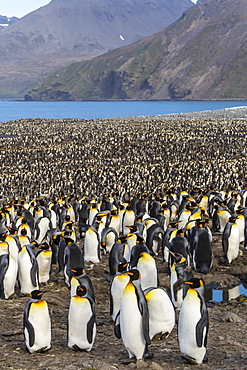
<point x="19" y="8"/>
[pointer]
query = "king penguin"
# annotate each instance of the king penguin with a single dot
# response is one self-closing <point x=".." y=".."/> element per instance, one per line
<point x="8" y="275"/>
<point x="230" y="240"/>
<point x="81" y="321"/>
<point x="92" y="251"/>
<point x="27" y="270"/>
<point x="37" y="323"/>
<point x="132" y="322"/>
<point x="193" y="323"/>
<point x="80" y="277"/>
<point x="118" y="284"/>
<point x="44" y="257"/>
<point x="161" y="312"/>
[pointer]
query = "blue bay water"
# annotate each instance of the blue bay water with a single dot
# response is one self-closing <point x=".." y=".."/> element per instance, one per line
<point x="12" y="110"/>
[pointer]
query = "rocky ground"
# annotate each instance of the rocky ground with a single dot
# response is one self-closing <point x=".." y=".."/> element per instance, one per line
<point x="227" y="340"/>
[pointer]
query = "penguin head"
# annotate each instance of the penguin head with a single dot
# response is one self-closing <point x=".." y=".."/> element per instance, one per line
<point x="195" y="283"/>
<point x="44" y="246"/>
<point x="37" y="294"/>
<point x="139" y="239"/>
<point x="122" y="239"/>
<point x="122" y="267"/>
<point x="133" y="228"/>
<point x="134" y="274"/>
<point x="232" y="219"/>
<point x="24" y="232"/>
<point x="23" y="220"/>
<point x="78" y="271"/>
<point x="81" y="290"/>
<point x="3" y="236"/>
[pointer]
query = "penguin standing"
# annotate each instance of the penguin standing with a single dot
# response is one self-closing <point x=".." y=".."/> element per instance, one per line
<point x="14" y="245"/>
<point x="8" y="275"/>
<point x="42" y="225"/>
<point x="146" y="265"/>
<point x="92" y="245"/>
<point x="27" y="270"/>
<point x="81" y="321"/>
<point x="230" y="240"/>
<point x="180" y="272"/>
<point x="118" y="284"/>
<point x="44" y="257"/>
<point x="154" y="239"/>
<point x="193" y="323"/>
<point x="128" y="220"/>
<point x="169" y="234"/>
<point x="80" y="277"/>
<point x="37" y="323"/>
<point x="223" y="215"/>
<point x="179" y="244"/>
<point x="202" y="254"/>
<point x="116" y="255"/>
<point x="132" y="322"/>
<point x="161" y="312"/>
<point x="108" y="238"/>
<point x="73" y="259"/>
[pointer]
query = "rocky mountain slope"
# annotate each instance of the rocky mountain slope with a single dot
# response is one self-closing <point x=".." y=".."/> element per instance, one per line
<point x="66" y="31"/>
<point x="5" y="21"/>
<point x="203" y="55"/>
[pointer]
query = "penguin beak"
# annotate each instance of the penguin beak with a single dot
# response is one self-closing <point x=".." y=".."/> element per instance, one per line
<point x="44" y="291"/>
<point x="172" y="254"/>
<point x="188" y="282"/>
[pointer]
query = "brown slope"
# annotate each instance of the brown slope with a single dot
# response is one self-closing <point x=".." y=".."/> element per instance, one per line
<point x="66" y="31"/>
<point x="200" y="56"/>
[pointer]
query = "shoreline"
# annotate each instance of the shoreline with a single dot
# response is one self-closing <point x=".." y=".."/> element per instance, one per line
<point x="226" y="113"/>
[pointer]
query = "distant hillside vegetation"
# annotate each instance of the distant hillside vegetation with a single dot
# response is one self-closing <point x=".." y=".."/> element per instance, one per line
<point x="200" y="56"/>
<point x="67" y="31"/>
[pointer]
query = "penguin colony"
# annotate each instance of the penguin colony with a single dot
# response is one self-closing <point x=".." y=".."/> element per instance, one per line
<point x="91" y="197"/>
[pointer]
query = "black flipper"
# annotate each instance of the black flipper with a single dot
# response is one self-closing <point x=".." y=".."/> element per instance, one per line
<point x="202" y="325"/>
<point x="91" y="322"/>
<point x="27" y="324"/>
<point x="117" y="329"/>
<point x="34" y="268"/>
<point x="143" y="308"/>
<point x="4" y="262"/>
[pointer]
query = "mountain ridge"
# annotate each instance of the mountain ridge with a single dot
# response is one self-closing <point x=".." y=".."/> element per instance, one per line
<point x="63" y="32"/>
<point x="200" y="56"/>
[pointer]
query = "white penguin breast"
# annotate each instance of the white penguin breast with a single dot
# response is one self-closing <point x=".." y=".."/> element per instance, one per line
<point x="40" y="320"/>
<point x="190" y="314"/>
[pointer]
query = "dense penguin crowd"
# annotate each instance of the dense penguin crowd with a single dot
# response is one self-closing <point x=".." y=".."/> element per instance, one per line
<point x="74" y="191"/>
<point x="94" y="157"/>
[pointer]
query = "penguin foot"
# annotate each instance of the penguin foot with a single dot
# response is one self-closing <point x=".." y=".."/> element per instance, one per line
<point x="148" y="355"/>
<point x="189" y="359"/>
<point x="76" y="348"/>
<point x="205" y="358"/>
<point x="160" y="336"/>
<point x="224" y="261"/>
<point x="43" y="349"/>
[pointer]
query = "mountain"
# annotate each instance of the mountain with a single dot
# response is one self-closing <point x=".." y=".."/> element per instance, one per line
<point x="203" y="55"/>
<point x="66" y="31"/>
<point x="5" y="22"/>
